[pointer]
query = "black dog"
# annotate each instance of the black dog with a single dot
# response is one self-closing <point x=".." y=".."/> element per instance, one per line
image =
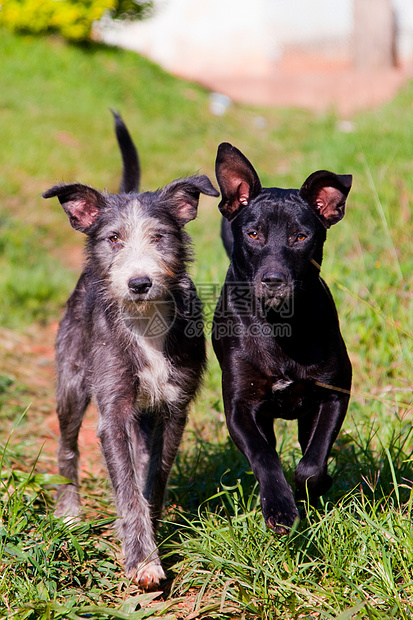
<point x="126" y="340"/>
<point x="276" y="332"/>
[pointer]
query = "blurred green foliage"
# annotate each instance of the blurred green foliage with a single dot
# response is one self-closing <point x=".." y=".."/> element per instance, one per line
<point x="73" y="19"/>
<point x="28" y="285"/>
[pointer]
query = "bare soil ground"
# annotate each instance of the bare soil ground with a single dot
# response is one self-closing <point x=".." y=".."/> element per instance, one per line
<point x="315" y="83"/>
<point x="29" y="359"/>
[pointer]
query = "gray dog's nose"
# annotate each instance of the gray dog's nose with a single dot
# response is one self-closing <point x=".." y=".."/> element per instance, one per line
<point x="139" y="286"/>
<point x="273" y="279"/>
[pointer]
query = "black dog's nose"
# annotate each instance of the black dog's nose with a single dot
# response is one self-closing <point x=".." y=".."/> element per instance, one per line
<point x="139" y="286"/>
<point x="273" y="279"/>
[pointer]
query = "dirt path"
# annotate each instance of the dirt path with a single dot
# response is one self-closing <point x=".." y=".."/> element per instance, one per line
<point x="29" y="359"/>
<point x="316" y="84"/>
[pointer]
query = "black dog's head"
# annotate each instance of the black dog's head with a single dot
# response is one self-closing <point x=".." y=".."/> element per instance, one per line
<point x="276" y="232"/>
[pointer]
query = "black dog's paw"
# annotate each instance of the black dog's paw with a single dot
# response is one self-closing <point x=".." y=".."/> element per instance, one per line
<point x="281" y="515"/>
<point x="324" y="485"/>
<point x="311" y="483"/>
<point x="273" y="523"/>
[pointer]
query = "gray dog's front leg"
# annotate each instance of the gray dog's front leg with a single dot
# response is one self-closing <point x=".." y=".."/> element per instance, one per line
<point x="166" y="439"/>
<point x="72" y="402"/>
<point x="142" y="562"/>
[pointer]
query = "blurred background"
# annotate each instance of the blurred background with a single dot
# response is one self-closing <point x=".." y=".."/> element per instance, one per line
<point x="350" y="53"/>
<point x="297" y="86"/>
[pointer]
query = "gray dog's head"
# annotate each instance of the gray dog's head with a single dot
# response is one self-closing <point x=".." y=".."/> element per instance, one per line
<point x="136" y="242"/>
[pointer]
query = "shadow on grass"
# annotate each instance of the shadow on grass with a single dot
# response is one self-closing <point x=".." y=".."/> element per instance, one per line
<point x="214" y="541"/>
<point x="200" y="472"/>
<point x="360" y="463"/>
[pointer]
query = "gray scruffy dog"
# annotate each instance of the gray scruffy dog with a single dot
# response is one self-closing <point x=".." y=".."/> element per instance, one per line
<point x="126" y="340"/>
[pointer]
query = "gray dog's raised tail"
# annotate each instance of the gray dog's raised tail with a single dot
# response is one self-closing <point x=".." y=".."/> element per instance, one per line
<point x="131" y="172"/>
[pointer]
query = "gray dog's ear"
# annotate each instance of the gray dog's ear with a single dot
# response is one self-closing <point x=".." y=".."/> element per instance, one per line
<point x="81" y="203"/>
<point x="182" y="196"/>
<point x="237" y="179"/>
<point x="326" y="193"/>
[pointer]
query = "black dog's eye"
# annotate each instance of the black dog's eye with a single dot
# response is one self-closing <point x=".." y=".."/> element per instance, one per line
<point x="301" y="237"/>
<point x="253" y="234"/>
<point x="114" y="238"/>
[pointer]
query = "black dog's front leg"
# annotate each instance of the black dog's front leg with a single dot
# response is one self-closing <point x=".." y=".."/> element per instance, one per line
<point x="317" y="432"/>
<point x="254" y="436"/>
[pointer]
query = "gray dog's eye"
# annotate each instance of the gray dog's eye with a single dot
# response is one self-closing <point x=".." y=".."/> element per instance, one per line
<point x="114" y="238"/>
<point x="157" y="238"/>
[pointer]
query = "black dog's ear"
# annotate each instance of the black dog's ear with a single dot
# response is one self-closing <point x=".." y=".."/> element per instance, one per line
<point x="81" y="203"/>
<point x="182" y="196"/>
<point x="326" y="194"/>
<point x="237" y="179"/>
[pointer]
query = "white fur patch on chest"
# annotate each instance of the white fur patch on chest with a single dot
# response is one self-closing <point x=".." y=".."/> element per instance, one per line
<point x="281" y="384"/>
<point x="155" y="387"/>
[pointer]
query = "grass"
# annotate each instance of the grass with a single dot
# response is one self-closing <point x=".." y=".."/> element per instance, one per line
<point x="351" y="558"/>
<point x="30" y="288"/>
<point x="41" y="557"/>
<point x="341" y="564"/>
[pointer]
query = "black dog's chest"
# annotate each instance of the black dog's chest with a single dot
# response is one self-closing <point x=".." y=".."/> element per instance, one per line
<point x="290" y="401"/>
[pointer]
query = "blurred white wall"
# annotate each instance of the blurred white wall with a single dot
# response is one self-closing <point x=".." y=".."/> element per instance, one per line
<point x="247" y="37"/>
<point x="404" y="26"/>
